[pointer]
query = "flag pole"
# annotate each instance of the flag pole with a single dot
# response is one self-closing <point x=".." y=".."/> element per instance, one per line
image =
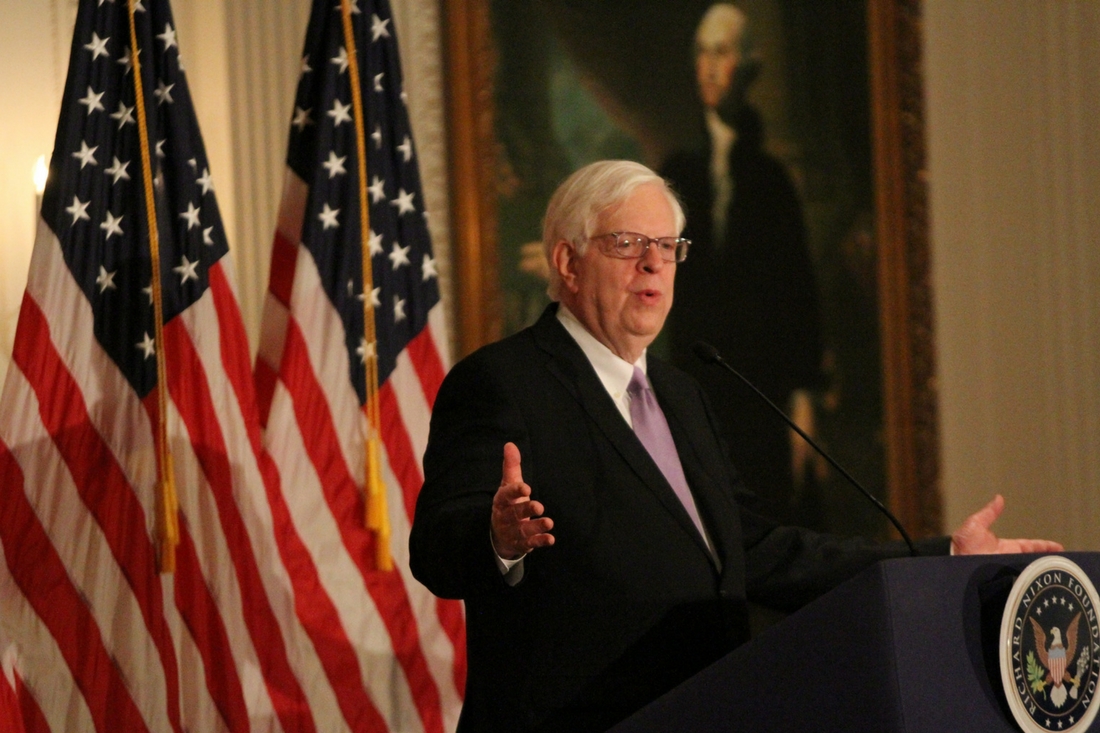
<point x="167" y="522"/>
<point x="377" y="518"/>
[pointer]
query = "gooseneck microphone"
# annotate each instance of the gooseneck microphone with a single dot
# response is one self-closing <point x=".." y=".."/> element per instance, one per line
<point x="709" y="355"/>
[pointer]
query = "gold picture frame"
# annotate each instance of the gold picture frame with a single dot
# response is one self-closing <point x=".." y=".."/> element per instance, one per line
<point x="910" y="422"/>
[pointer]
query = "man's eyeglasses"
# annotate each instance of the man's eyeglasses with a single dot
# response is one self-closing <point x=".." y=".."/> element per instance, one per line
<point x="631" y="246"/>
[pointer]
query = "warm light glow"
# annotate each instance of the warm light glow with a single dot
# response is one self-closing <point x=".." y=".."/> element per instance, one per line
<point x="40" y="173"/>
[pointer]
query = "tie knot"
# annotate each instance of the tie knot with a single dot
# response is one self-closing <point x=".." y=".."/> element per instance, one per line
<point x="638" y="383"/>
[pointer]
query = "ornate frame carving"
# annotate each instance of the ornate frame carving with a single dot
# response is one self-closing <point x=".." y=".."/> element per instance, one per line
<point x="905" y="287"/>
<point x="909" y="387"/>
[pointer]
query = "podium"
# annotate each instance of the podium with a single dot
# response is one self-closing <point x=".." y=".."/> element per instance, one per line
<point x="907" y="645"/>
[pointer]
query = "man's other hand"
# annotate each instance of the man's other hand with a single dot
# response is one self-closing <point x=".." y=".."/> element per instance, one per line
<point x="517" y="522"/>
<point x="975" y="537"/>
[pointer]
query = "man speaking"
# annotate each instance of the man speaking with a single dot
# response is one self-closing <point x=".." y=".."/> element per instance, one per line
<point x="578" y="498"/>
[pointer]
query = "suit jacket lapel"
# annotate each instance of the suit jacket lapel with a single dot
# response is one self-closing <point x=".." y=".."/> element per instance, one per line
<point x="571" y="367"/>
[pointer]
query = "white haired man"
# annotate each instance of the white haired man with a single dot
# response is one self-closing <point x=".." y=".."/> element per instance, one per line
<point x="641" y="578"/>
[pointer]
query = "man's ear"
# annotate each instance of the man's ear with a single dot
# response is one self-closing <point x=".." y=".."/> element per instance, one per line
<point x="563" y="259"/>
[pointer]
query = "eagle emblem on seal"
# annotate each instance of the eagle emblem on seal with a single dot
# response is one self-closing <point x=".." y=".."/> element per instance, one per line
<point x="1055" y="659"/>
<point x="1050" y="647"/>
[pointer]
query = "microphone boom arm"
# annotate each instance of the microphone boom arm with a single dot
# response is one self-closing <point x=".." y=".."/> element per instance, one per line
<point x="709" y="354"/>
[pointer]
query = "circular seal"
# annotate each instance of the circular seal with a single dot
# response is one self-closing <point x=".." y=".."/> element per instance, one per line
<point x="1050" y="647"/>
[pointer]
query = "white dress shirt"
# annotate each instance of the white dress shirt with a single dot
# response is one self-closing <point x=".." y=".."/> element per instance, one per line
<point x="614" y="372"/>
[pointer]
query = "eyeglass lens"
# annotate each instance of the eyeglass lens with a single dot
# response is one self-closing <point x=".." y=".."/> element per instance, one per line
<point x="631" y="245"/>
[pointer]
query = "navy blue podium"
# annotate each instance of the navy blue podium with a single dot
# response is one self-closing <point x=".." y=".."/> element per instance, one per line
<point x="908" y="645"/>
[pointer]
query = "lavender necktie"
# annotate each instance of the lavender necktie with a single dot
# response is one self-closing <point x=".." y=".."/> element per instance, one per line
<point x="652" y="429"/>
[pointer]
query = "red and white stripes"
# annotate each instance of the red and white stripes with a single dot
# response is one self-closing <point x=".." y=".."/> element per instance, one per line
<point x="409" y="648"/>
<point x="275" y="618"/>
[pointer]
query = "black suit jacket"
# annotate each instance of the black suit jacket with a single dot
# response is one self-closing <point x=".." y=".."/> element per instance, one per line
<point x="627" y="603"/>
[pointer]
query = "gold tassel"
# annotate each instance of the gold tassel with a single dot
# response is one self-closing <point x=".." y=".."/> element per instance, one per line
<point x="377" y="516"/>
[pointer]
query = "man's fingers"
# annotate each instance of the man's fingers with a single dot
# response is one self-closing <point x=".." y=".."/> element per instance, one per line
<point x="511" y="472"/>
<point x="515" y="533"/>
<point x="528" y="509"/>
<point x="533" y="527"/>
<point x="987" y="515"/>
<point x="1030" y="546"/>
<point x="536" y="533"/>
<point x="530" y="533"/>
<point x="995" y="507"/>
<point x="539" y="540"/>
<point x="509" y="494"/>
<point x="519" y="510"/>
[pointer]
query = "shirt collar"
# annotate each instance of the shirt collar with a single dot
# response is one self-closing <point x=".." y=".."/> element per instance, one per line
<point x="613" y="371"/>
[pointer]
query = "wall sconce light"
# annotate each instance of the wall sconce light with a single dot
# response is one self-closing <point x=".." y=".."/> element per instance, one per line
<point x="40" y="173"/>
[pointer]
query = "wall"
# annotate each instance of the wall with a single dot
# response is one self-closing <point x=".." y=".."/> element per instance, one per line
<point x="34" y="57"/>
<point x="1013" y="99"/>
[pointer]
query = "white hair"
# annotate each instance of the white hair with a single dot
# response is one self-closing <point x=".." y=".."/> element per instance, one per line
<point x="723" y="22"/>
<point x="576" y="205"/>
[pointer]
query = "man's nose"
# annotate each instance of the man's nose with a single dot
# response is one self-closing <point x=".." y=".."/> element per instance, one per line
<point x="651" y="260"/>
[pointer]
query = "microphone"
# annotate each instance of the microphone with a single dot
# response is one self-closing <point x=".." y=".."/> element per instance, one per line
<point x="709" y="355"/>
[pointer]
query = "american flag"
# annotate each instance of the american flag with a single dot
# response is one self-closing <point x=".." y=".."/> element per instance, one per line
<point x="102" y="641"/>
<point x="263" y="625"/>
<point x="393" y="653"/>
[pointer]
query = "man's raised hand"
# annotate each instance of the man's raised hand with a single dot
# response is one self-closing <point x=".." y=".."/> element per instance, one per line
<point x="975" y="536"/>
<point x="517" y="522"/>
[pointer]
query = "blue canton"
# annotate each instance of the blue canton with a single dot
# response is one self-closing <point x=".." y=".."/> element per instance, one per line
<point x="322" y="153"/>
<point x="94" y="200"/>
